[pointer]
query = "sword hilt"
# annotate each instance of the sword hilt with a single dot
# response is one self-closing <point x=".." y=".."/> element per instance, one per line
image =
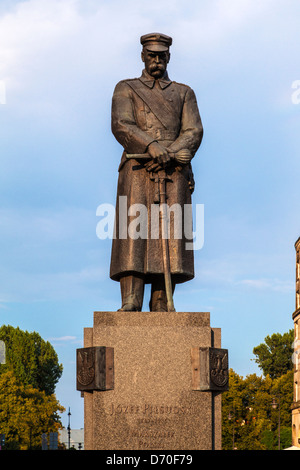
<point x="144" y="156"/>
<point x="183" y="156"/>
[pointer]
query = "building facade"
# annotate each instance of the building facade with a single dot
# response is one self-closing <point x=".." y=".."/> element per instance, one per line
<point x="296" y="318"/>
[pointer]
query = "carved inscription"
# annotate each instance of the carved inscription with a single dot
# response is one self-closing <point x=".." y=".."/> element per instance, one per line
<point x="152" y="425"/>
<point x="152" y="439"/>
<point x="148" y="409"/>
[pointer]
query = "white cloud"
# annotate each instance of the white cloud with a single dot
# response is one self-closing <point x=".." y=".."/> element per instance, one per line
<point x="277" y="285"/>
<point x="91" y="37"/>
<point x="41" y="34"/>
<point x="212" y="24"/>
<point x="63" y="338"/>
<point x="58" y="57"/>
<point x="65" y="341"/>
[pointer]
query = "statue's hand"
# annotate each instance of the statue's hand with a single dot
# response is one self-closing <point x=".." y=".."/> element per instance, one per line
<point x="159" y="154"/>
<point x="183" y="157"/>
<point x="153" y="166"/>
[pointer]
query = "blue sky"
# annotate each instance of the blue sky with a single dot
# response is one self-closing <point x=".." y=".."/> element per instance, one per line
<point x="59" y="62"/>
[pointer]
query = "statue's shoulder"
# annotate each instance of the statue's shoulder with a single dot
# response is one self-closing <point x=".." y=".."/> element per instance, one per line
<point x="184" y="90"/>
<point x="126" y="81"/>
<point x="181" y="85"/>
<point x="123" y="86"/>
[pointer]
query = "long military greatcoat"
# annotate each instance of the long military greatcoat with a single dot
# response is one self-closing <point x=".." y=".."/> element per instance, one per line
<point x="143" y="113"/>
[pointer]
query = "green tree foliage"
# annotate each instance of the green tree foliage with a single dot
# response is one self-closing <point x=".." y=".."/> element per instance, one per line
<point x="249" y="421"/>
<point x="274" y="357"/>
<point x="244" y="411"/>
<point x="28" y="406"/>
<point x="25" y="413"/>
<point x="33" y="360"/>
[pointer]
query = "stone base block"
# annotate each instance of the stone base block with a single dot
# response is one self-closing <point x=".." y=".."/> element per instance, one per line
<point x="153" y="404"/>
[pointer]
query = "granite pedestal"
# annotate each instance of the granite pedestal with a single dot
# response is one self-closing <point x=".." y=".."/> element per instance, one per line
<point x="152" y="399"/>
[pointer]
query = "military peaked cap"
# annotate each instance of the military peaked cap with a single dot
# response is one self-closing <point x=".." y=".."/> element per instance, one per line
<point x="156" y="42"/>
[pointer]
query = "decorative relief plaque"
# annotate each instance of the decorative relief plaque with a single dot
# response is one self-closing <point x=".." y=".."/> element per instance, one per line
<point x="95" y="368"/>
<point x="209" y="369"/>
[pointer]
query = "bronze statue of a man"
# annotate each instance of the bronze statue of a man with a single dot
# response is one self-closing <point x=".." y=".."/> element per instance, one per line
<point x="156" y="116"/>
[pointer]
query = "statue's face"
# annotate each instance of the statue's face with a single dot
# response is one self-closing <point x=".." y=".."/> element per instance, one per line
<point x="155" y="62"/>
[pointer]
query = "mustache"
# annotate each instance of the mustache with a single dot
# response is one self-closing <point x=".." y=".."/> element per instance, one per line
<point x="154" y="67"/>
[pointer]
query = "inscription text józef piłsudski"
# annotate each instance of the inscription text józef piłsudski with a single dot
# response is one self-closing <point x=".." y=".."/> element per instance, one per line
<point x="149" y="409"/>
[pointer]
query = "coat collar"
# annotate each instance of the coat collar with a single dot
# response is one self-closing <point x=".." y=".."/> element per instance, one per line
<point x="149" y="81"/>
